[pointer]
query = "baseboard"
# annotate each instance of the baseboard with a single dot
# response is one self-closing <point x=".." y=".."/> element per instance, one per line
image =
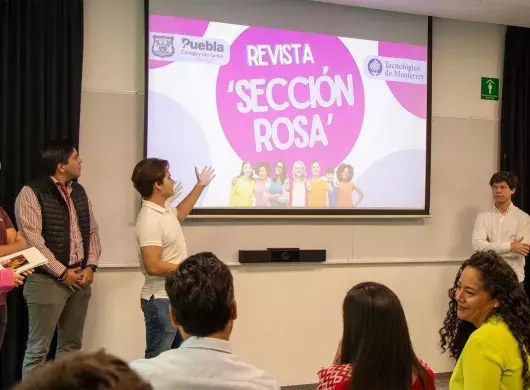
<point x="442" y="376"/>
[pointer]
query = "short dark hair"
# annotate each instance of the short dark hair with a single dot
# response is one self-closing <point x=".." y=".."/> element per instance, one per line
<point x="330" y="170"/>
<point x="511" y="179"/>
<point x="148" y="172"/>
<point x="55" y="153"/>
<point x="201" y="292"/>
<point x="84" y="371"/>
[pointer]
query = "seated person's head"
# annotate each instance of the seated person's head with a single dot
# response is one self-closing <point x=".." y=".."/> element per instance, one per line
<point x="376" y="341"/>
<point x="485" y="285"/>
<point x="201" y="292"/>
<point x="84" y="371"/>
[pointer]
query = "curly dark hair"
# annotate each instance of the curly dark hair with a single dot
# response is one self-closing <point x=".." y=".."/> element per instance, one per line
<point x="500" y="282"/>
<point x="341" y="169"/>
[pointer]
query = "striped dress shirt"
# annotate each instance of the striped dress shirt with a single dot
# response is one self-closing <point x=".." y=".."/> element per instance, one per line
<point x="29" y="219"/>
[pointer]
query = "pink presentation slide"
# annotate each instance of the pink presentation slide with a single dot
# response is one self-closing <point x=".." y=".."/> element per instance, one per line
<point x="288" y="119"/>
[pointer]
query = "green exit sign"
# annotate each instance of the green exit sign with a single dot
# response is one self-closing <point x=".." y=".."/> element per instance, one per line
<point x="489" y="88"/>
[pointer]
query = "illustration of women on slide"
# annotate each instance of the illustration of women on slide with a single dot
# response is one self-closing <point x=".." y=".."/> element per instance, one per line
<point x="298" y="187"/>
<point x="243" y="187"/>
<point x="331" y="186"/>
<point x="318" y="197"/>
<point x="275" y="193"/>
<point x="262" y="182"/>
<point x="346" y="188"/>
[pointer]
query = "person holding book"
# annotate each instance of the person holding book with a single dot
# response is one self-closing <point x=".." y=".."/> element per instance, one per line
<point x="55" y="216"/>
<point x="10" y="242"/>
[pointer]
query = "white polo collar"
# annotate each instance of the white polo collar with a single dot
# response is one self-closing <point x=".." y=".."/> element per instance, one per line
<point x="207" y="343"/>
<point x="155" y="207"/>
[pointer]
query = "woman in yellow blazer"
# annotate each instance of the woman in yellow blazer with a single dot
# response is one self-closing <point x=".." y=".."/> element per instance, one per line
<point x="487" y="327"/>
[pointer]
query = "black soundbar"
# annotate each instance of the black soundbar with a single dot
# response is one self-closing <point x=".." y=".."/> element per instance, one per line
<point x="282" y="255"/>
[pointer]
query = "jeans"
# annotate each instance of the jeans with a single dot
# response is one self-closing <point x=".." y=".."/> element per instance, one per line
<point x="160" y="334"/>
<point x="52" y="305"/>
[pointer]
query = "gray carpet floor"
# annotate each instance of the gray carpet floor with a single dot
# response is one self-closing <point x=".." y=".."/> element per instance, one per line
<point x="442" y="381"/>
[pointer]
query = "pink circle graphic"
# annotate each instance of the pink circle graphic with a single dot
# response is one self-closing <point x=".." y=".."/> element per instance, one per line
<point x="412" y="97"/>
<point x="330" y="119"/>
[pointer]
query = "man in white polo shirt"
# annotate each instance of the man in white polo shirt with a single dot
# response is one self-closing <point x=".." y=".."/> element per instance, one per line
<point x="161" y="245"/>
<point x="204" y="308"/>
<point x="504" y="229"/>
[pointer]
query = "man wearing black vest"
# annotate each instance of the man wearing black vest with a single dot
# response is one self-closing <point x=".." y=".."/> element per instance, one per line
<point x="55" y="215"/>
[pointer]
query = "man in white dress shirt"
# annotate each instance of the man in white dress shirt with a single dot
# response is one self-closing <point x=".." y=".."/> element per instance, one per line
<point x="504" y="229"/>
<point x="203" y="308"/>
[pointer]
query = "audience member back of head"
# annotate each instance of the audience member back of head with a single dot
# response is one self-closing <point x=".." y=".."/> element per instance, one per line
<point x="84" y="371"/>
<point x="375" y="352"/>
<point x="204" y="309"/>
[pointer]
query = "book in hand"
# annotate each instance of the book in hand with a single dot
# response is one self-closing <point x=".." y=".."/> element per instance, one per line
<point x="23" y="261"/>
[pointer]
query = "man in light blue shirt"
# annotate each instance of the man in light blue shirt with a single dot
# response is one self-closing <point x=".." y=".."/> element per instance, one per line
<point x="203" y="308"/>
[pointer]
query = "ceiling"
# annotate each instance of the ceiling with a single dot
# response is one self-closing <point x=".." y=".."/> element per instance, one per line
<point x="508" y="12"/>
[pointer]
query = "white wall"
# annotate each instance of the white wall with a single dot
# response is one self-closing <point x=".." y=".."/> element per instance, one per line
<point x="290" y="319"/>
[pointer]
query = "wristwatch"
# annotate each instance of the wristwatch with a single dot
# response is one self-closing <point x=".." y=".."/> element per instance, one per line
<point x="93" y="267"/>
<point x="62" y="276"/>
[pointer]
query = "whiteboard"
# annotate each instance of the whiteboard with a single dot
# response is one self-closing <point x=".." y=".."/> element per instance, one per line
<point x="112" y="143"/>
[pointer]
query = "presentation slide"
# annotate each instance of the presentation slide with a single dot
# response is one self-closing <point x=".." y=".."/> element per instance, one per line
<point x="288" y="119"/>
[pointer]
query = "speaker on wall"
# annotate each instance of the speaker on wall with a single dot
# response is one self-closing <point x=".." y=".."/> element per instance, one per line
<point x="282" y="255"/>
